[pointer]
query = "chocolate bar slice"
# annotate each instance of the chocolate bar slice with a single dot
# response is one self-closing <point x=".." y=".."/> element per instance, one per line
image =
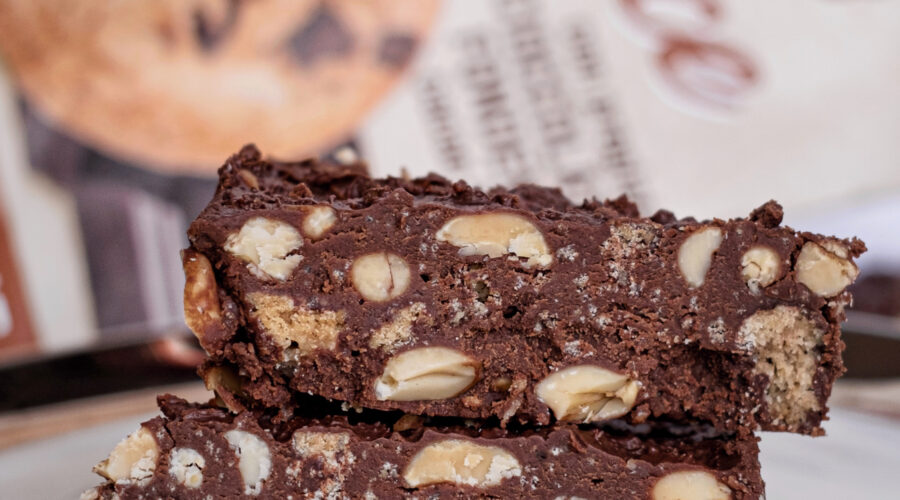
<point x="436" y="298"/>
<point x="200" y="451"/>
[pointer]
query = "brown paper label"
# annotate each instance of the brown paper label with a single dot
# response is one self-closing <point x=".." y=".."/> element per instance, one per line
<point x="16" y="335"/>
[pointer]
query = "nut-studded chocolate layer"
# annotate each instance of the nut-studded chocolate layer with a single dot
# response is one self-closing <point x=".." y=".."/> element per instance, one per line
<point x="198" y="451"/>
<point x="436" y="298"/>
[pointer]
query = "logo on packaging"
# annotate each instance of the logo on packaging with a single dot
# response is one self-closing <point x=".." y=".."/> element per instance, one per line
<point x="695" y="71"/>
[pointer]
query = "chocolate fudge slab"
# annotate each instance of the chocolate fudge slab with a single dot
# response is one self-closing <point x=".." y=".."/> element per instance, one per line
<point x="436" y="298"/>
<point x="200" y="451"/>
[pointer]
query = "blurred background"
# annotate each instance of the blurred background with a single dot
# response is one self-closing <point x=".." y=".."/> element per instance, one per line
<point x="115" y="115"/>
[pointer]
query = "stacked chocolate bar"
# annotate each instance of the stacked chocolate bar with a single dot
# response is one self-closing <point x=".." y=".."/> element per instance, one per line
<point x="385" y="338"/>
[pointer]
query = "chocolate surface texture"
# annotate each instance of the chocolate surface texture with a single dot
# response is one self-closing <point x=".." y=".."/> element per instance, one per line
<point x="437" y="299"/>
<point x="200" y="451"/>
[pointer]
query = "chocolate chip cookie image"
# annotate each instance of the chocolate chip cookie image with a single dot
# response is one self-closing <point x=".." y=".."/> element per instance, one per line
<point x="181" y="85"/>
